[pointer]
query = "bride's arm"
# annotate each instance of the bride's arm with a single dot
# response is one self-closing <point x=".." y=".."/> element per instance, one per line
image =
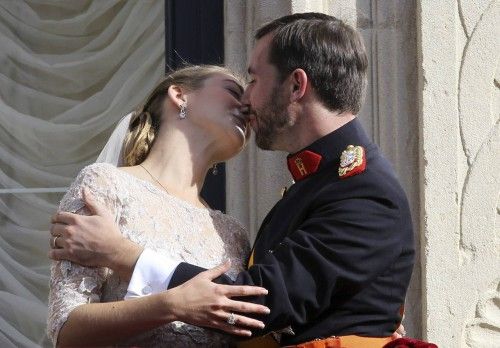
<point x="110" y="323"/>
<point x="75" y="291"/>
<point x="96" y="324"/>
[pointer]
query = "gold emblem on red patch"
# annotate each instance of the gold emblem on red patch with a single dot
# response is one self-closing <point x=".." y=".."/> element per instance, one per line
<point x="352" y="161"/>
<point x="300" y="166"/>
<point x="303" y="164"/>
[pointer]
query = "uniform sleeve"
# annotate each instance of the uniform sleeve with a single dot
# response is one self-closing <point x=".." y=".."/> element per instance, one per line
<point x="335" y="253"/>
<point x="72" y="285"/>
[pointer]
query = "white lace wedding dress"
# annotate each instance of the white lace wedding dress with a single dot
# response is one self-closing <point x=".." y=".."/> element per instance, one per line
<point x="152" y="218"/>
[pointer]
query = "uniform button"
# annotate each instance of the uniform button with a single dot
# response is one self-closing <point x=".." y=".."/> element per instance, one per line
<point x="147" y="290"/>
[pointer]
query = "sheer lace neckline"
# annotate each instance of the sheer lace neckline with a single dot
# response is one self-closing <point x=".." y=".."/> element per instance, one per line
<point x="164" y="193"/>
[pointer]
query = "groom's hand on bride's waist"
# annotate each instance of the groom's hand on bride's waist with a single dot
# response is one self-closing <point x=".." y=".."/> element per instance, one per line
<point x="92" y="240"/>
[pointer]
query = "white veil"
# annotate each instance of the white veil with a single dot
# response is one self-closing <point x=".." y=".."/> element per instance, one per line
<point x="112" y="151"/>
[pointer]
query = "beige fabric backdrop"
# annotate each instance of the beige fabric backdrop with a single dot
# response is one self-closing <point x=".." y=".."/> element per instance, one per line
<point x="68" y="71"/>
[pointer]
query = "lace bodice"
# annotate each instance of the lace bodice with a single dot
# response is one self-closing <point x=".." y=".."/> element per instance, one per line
<point x="154" y="219"/>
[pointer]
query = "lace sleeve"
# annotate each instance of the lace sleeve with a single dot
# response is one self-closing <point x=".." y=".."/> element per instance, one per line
<point x="72" y="285"/>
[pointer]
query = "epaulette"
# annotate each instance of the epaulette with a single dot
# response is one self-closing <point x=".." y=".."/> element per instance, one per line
<point x="352" y="161"/>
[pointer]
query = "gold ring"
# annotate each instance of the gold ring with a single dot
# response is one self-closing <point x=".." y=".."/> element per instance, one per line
<point x="53" y="242"/>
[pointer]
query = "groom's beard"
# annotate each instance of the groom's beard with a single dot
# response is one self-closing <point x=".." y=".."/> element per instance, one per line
<point x="271" y="119"/>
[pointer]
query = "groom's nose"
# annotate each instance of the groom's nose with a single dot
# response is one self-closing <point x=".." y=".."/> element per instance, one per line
<point x="245" y="99"/>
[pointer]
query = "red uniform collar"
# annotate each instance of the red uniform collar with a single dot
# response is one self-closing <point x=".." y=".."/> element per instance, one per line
<point x="303" y="164"/>
<point x="329" y="149"/>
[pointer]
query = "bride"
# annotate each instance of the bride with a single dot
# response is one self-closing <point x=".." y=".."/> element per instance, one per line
<point x="189" y="122"/>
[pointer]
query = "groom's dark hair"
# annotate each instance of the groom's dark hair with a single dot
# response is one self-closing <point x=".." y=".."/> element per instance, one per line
<point x="330" y="52"/>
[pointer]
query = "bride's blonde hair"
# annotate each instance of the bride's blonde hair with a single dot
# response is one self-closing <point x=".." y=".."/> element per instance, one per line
<point x="145" y="121"/>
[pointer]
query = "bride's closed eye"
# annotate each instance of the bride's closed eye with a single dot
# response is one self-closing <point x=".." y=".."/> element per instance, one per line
<point x="235" y="94"/>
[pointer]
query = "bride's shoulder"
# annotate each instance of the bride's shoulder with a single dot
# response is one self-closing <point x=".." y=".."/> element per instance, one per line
<point x="98" y="170"/>
<point x="98" y="178"/>
<point x="106" y="174"/>
<point x="98" y="174"/>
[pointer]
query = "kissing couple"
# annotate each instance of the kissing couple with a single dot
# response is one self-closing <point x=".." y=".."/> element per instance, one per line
<point x="141" y="260"/>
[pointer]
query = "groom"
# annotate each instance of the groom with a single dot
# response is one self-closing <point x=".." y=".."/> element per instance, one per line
<point x="336" y="252"/>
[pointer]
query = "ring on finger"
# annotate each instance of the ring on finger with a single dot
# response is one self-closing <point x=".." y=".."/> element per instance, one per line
<point x="53" y="242"/>
<point x="231" y="320"/>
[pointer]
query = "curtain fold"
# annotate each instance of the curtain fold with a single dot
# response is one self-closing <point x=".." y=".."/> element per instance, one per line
<point x="69" y="70"/>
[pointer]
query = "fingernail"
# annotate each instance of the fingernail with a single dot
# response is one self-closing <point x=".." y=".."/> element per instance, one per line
<point x="267" y="311"/>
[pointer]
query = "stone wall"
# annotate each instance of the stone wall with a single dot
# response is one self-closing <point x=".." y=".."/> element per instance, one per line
<point x="459" y="45"/>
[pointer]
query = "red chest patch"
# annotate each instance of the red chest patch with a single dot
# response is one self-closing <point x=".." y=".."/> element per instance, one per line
<point x="303" y="164"/>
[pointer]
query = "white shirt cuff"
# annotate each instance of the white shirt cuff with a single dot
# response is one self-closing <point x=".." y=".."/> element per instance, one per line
<point x="152" y="274"/>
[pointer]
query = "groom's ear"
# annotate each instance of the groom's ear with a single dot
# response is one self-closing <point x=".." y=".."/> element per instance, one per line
<point x="177" y="95"/>
<point x="298" y="80"/>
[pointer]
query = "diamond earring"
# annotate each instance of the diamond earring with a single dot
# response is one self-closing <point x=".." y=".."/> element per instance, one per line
<point x="214" y="169"/>
<point x="183" y="113"/>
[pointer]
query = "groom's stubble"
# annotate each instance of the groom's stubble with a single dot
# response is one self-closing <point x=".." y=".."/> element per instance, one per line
<point x="272" y="119"/>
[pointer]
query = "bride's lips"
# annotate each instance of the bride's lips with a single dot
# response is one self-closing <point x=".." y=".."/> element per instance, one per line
<point x="241" y="120"/>
<point x="249" y="116"/>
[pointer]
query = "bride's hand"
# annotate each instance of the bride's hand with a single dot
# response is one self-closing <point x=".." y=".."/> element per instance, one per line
<point x="202" y="302"/>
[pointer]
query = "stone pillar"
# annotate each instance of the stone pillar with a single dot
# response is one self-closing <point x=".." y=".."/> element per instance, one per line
<point x="390" y="112"/>
<point x="255" y="177"/>
<point x="460" y="171"/>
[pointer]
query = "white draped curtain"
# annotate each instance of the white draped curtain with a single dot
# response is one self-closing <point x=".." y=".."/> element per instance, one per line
<point x="69" y="70"/>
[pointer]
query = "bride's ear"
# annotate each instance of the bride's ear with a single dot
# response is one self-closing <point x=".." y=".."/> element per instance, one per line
<point x="177" y="95"/>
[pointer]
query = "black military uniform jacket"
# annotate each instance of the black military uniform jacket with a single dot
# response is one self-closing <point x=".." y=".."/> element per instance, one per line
<point x="336" y="254"/>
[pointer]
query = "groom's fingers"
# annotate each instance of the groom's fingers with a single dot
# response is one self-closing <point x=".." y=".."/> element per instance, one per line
<point x="58" y="255"/>
<point x="95" y="207"/>
<point x="246" y="307"/>
<point x="64" y="217"/>
<point x="58" y="229"/>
